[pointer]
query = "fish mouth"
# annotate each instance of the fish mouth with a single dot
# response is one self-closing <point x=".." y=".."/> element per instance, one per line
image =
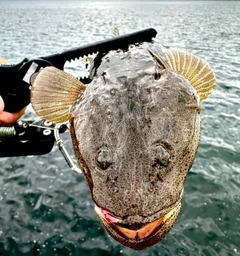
<point x="140" y="235"/>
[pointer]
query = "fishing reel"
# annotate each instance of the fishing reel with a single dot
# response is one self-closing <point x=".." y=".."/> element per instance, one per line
<point x="33" y="138"/>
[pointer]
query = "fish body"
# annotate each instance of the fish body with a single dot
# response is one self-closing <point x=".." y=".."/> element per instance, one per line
<point x="135" y="130"/>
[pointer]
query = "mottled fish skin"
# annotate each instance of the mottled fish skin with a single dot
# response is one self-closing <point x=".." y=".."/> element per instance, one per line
<point x="135" y="131"/>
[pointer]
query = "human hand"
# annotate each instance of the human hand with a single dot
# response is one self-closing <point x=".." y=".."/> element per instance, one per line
<point x="7" y="118"/>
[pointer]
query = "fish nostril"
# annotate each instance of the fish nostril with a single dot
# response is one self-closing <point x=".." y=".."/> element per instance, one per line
<point x="104" y="158"/>
<point x="157" y="75"/>
<point x="160" y="156"/>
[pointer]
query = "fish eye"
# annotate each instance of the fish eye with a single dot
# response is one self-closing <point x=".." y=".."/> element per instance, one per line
<point x="104" y="158"/>
<point x="160" y="156"/>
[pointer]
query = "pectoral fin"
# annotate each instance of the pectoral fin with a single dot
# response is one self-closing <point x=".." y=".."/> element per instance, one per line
<point x="194" y="69"/>
<point x="53" y="93"/>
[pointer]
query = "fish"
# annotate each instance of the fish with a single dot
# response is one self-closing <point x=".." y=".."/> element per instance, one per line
<point x="135" y="131"/>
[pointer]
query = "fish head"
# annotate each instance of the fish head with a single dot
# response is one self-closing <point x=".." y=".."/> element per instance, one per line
<point x="136" y="138"/>
<point x="135" y="130"/>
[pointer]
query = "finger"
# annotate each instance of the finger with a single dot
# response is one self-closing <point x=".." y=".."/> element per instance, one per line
<point x="7" y="118"/>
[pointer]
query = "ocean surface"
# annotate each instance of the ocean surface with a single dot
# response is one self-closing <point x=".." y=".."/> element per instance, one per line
<point x="46" y="209"/>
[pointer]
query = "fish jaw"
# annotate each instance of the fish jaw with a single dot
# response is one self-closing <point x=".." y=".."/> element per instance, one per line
<point x="143" y="237"/>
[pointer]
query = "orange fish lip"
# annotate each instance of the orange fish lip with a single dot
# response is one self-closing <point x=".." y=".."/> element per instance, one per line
<point x="147" y="230"/>
<point x="139" y="234"/>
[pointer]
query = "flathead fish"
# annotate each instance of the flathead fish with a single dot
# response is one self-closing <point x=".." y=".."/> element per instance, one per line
<point x="135" y="130"/>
